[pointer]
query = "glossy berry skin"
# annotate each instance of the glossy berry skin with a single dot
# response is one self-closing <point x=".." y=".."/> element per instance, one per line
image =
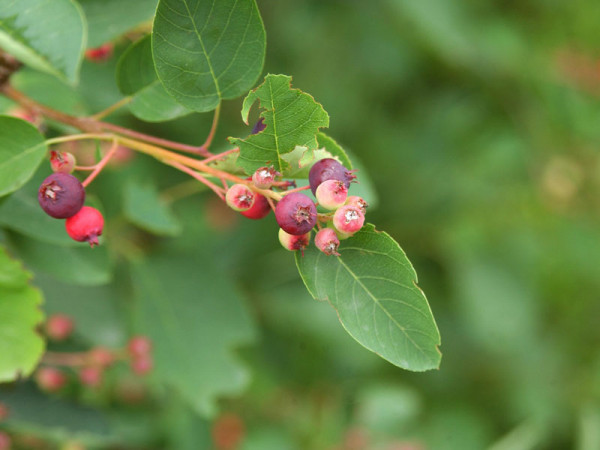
<point x="328" y="169"/>
<point x="331" y="194"/>
<point x="293" y="243"/>
<point x="59" y="327"/>
<point x="63" y="162"/>
<point x="264" y="177"/>
<point x="259" y="209"/>
<point x="86" y="225"/>
<point x="296" y="214"/>
<point x="240" y="197"/>
<point x="327" y="241"/>
<point x="61" y="195"/>
<point x="50" y="379"/>
<point x="139" y="346"/>
<point x="355" y="200"/>
<point x="348" y="220"/>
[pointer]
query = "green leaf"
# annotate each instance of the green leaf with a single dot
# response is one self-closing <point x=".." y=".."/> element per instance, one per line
<point x="109" y="19"/>
<point x="301" y="159"/>
<point x="335" y="149"/>
<point x="136" y="76"/>
<point x="373" y="288"/>
<point x="207" y="50"/>
<point x="22" y="149"/>
<point x="20" y="314"/>
<point x="292" y="117"/>
<point x="144" y="208"/>
<point x="46" y="35"/>
<point x="195" y="318"/>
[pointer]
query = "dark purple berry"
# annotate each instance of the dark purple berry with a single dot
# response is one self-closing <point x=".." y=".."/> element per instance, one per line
<point x="260" y="125"/>
<point x="61" y="195"/>
<point x="328" y="169"/>
<point x="296" y="213"/>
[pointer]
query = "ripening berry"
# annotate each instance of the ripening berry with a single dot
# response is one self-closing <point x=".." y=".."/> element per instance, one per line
<point x="331" y="194"/>
<point x="50" y="379"/>
<point x="63" y="162"/>
<point x="101" y="357"/>
<point x="355" y="200"/>
<point x="91" y="376"/>
<point x="327" y="241"/>
<point x="259" y="209"/>
<point x="240" y="197"/>
<point x="292" y="242"/>
<point x="59" y="327"/>
<point x="141" y="365"/>
<point x="264" y="177"/>
<point x="5" y="441"/>
<point x="328" y="169"/>
<point x="348" y="220"/>
<point x="61" y="195"/>
<point x="139" y="346"/>
<point x="296" y="213"/>
<point x="99" y="54"/>
<point x="86" y="225"/>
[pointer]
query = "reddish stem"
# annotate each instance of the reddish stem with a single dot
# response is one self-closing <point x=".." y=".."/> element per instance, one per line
<point x="216" y="189"/>
<point x="98" y="168"/>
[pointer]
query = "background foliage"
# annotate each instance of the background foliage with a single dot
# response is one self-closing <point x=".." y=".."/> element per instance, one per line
<point x="478" y="124"/>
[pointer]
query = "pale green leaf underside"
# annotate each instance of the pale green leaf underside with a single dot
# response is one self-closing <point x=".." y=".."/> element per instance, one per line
<point x="207" y="50"/>
<point x="48" y="35"/>
<point x="22" y="149"/>
<point x="20" y="314"/>
<point x="143" y="207"/>
<point x="372" y="286"/>
<point x="292" y="118"/>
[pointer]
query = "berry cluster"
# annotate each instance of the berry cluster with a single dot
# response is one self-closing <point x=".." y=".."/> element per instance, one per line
<point x="296" y="213"/>
<point x="62" y="195"/>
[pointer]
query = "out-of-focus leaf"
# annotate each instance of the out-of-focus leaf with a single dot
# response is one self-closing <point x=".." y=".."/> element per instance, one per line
<point x="329" y="144"/>
<point x="207" y="50"/>
<point x="372" y="286"/>
<point x="143" y="207"/>
<point x="48" y="36"/>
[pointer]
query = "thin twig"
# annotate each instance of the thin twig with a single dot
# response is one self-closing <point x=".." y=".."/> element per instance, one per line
<point x="101" y="164"/>
<point x="108" y="111"/>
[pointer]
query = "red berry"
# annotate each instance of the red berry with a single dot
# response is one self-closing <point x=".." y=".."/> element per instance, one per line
<point x="139" y="346"/>
<point x="5" y="441"/>
<point x="296" y="213"/>
<point x="328" y="169"/>
<point x="86" y="225"/>
<point x="358" y="201"/>
<point x="228" y="432"/>
<point x="61" y="195"/>
<point x="101" y="357"/>
<point x="91" y="376"/>
<point x="259" y="209"/>
<point x="50" y="379"/>
<point x="264" y="177"/>
<point x="348" y="220"/>
<point x="240" y="197"/>
<point x="63" y="162"/>
<point x="141" y="365"/>
<point x="98" y="54"/>
<point x="327" y="241"/>
<point x="59" y="327"/>
<point x="331" y="194"/>
<point x="292" y="242"/>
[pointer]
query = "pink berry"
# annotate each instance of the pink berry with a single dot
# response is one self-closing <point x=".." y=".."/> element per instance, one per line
<point x="294" y="242"/>
<point x="63" y="162"/>
<point x="259" y="209"/>
<point x="355" y="200"/>
<point x="296" y="214"/>
<point x="59" y="327"/>
<point x="141" y="365"/>
<point x="61" y="195"/>
<point x="91" y="376"/>
<point x="86" y="225"/>
<point x="328" y="169"/>
<point x="139" y="346"/>
<point x="264" y="177"/>
<point x="99" y="54"/>
<point x="348" y="220"/>
<point x="101" y="357"/>
<point x="331" y="194"/>
<point x="327" y="241"/>
<point x="5" y="441"/>
<point x="240" y="197"/>
<point x="50" y="379"/>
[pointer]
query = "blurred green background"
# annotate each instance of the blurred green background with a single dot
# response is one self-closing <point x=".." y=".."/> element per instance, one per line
<point x="479" y="126"/>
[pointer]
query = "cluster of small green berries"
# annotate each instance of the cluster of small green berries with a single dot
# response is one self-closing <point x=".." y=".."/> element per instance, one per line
<point x="61" y="195"/>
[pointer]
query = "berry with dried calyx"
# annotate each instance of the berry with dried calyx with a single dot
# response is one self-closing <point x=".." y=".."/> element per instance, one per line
<point x="86" y="225"/>
<point x="331" y="194"/>
<point x="294" y="242"/>
<point x="240" y="197"/>
<point x="327" y="241"/>
<point x="348" y="220"/>
<point x="261" y="208"/>
<point x="61" y="195"/>
<point x="328" y="169"/>
<point x="296" y="213"/>
<point x="264" y="177"/>
<point x="355" y="200"/>
<point x="50" y="379"/>
<point x="63" y="162"/>
<point x="59" y="327"/>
